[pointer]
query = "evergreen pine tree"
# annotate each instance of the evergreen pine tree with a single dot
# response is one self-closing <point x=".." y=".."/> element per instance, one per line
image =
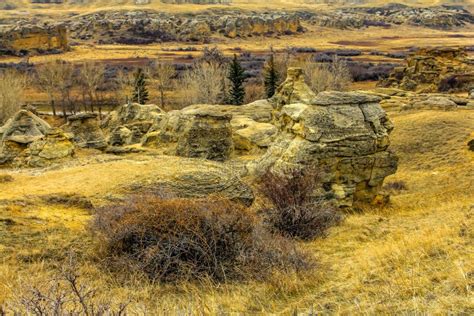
<point x="236" y="78"/>
<point x="140" y="91"/>
<point x="271" y="76"/>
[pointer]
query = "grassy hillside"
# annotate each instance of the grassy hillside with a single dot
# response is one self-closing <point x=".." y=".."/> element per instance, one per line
<point x="413" y="257"/>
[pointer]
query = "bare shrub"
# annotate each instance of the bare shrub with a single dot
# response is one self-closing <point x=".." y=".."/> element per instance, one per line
<point x="396" y="186"/>
<point x="4" y="178"/>
<point x="12" y="88"/>
<point x="254" y="91"/>
<point x="294" y="211"/>
<point x="67" y="293"/>
<point x="124" y="85"/>
<point x="182" y="239"/>
<point x="205" y="83"/>
<point x="327" y="76"/>
<point x="162" y="75"/>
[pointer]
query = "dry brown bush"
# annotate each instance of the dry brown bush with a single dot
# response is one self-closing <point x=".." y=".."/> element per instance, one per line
<point x="12" y="88"/>
<point x="326" y="76"/>
<point x="294" y="211"/>
<point x="183" y="239"/>
<point x="253" y="92"/>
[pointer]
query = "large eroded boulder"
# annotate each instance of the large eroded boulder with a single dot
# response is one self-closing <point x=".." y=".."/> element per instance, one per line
<point x="128" y="123"/>
<point x="346" y="135"/>
<point x="27" y="140"/>
<point x="86" y="131"/>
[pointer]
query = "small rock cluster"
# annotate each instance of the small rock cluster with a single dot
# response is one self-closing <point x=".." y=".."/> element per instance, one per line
<point x="27" y="140"/>
<point x="434" y="70"/>
<point x="24" y="38"/>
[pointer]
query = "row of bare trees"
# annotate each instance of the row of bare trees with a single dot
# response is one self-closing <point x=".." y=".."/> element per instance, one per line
<point x="71" y="88"/>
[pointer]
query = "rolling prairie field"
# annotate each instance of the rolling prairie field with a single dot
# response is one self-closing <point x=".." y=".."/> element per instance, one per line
<point x="249" y="158"/>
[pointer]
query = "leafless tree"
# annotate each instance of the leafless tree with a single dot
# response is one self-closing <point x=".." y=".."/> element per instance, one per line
<point x="162" y="75"/>
<point x="46" y="79"/>
<point x="204" y="83"/>
<point x="12" y="87"/>
<point x="125" y="85"/>
<point x="326" y="76"/>
<point x="91" y="77"/>
<point x="64" y="81"/>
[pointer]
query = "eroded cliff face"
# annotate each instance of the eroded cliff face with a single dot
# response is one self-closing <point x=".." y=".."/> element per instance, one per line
<point x="434" y="70"/>
<point x="22" y="39"/>
<point x="144" y="26"/>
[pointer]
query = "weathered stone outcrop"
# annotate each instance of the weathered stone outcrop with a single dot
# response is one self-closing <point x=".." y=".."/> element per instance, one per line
<point x="244" y="128"/>
<point x="27" y="140"/>
<point x="434" y="70"/>
<point x="22" y="39"/>
<point x="439" y="17"/>
<point x="86" y="131"/>
<point x="345" y="134"/>
<point x="206" y="135"/>
<point x="147" y="26"/>
<point x="200" y="178"/>
<point x="128" y="123"/>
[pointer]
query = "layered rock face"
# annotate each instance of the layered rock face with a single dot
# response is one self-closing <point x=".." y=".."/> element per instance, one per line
<point x="22" y="39"/>
<point x="27" y="140"/>
<point x="440" y="17"/>
<point x="344" y="134"/>
<point x="434" y="70"/>
<point x="141" y="27"/>
<point x="214" y="131"/>
<point x="86" y="130"/>
<point x="127" y="124"/>
<point x="206" y="135"/>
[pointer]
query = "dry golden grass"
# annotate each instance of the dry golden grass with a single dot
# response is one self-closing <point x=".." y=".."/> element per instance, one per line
<point x="412" y="257"/>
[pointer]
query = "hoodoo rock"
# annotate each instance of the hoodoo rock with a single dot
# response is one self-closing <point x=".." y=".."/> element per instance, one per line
<point x="434" y="70"/>
<point x="27" y="140"/>
<point x="344" y="134"/>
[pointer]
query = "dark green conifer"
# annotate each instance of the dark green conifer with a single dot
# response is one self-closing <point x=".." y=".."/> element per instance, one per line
<point x="271" y="76"/>
<point x="236" y="78"/>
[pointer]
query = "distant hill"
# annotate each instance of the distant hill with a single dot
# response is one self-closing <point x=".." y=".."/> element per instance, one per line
<point x="172" y="4"/>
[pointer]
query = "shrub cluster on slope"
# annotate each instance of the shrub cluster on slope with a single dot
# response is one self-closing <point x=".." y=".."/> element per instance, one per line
<point x="293" y="210"/>
<point x="182" y="239"/>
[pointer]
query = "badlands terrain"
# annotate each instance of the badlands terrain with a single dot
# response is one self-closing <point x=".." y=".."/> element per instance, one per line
<point x="238" y="157"/>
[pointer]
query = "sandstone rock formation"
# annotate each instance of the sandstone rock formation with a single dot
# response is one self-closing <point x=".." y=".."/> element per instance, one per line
<point x="128" y="123"/>
<point x="206" y="135"/>
<point x="86" y="130"/>
<point x="198" y="178"/>
<point x="347" y="134"/>
<point x="22" y="39"/>
<point x="27" y="140"/>
<point x="434" y="70"/>
<point x="244" y="128"/>
<point x="439" y="17"/>
<point x="142" y="27"/>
